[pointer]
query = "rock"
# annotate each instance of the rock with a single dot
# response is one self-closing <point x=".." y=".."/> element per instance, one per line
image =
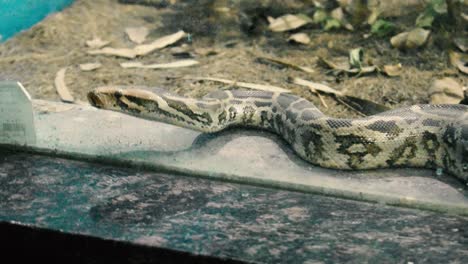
<point x="446" y="91"/>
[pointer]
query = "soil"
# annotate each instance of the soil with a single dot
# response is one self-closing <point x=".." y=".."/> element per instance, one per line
<point x="237" y="32"/>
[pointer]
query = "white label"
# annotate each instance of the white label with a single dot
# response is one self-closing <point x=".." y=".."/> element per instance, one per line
<point x="16" y="115"/>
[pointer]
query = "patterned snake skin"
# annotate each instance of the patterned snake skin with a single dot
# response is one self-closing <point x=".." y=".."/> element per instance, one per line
<point x="429" y="136"/>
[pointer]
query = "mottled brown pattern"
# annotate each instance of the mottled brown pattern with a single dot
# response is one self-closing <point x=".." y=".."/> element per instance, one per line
<point x="431" y="136"/>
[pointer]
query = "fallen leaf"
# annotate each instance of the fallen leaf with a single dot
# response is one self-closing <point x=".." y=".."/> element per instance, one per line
<point x="362" y="106"/>
<point x="62" y="88"/>
<point x="137" y="34"/>
<point x="319" y="16"/>
<point x="331" y="24"/>
<point x="301" y="38"/>
<point x="263" y="87"/>
<point x="459" y="60"/>
<point x="461" y="43"/>
<point x="446" y="91"/>
<point x="364" y="70"/>
<point x="374" y="16"/>
<point x="335" y="66"/>
<point x="345" y="67"/>
<point x="285" y="63"/>
<point x="425" y="20"/>
<point x="417" y="37"/>
<point x="382" y="28"/>
<point x="97" y="43"/>
<point x="317" y="87"/>
<point x="288" y="22"/>
<point x="176" y="64"/>
<point x="434" y="9"/>
<point x="141" y="50"/>
<point x="90" y="66"/>
<point x="393" y="70"/>
<point x="355" y="57"/>
<point x="410" y="40"/>
<point x="338" y="15"/>
<point x="399" y="40"/>
<point x="124" y="53"/>
<point x="160" y="43"/>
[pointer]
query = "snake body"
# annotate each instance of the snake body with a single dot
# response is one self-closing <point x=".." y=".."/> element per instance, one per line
<point x="427" y="136"/>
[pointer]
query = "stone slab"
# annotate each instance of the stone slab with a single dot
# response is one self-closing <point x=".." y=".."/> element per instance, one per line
<point x="207" y="218"/>
<point x="246" y="156"/>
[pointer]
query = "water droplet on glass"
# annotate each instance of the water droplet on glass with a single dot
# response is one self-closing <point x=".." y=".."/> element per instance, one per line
<point x="439" y="171"/>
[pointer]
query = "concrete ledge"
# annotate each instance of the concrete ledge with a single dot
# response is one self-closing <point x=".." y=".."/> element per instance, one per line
<point x="250" y="157"/>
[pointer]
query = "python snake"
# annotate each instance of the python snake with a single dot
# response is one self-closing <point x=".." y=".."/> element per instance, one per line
<point x="428" y="136"/>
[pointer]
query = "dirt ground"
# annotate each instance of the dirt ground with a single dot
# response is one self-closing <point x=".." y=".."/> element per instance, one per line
<point x="238" y="34"/>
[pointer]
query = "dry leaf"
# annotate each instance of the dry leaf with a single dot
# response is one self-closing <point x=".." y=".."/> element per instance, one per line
<point x="446" y="91"/>
<point x="61" y="87"/>
<point x="338" y="14"/>
<point x="301" y="38"/>
<point x="364" y="70"/>
<point x="287" y="64"/>
<point x="288" y="22"/>
<point x="345" y="67"/>
<point x="459" y="60"/>
<point x="137" y="34"/>
<point x="362" y="106"/>
<point x="176" y="64"/>
<point x="96" y="43"/>
<point x="417" y="37"/>
<point x="399" y="40"/>
<point x="461" y="43"/>
<point x="141" y="50"/>
<point x="263" y="87"/>
<point x="410" y="40"/>
<point x="393" y="70"/>
<point x="160" y="43"/>
<point x="317" y="86"/>
<point x="90" y="66"/>
<point x="374" y="15"/>
<point x="124" y="53"/>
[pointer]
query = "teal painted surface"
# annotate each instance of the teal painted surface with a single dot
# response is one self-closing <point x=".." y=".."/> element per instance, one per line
<point x="17" y="15"/>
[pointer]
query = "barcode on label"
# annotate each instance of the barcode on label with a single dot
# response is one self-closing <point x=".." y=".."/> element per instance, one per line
<point x="13" y="127"/>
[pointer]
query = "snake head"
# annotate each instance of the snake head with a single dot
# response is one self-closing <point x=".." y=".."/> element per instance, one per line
<point x="105" y="97"/>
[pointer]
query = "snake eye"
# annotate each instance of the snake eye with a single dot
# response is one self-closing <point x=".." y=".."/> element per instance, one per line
<point x="94" y="99"/>
<point x="118" y="94"/>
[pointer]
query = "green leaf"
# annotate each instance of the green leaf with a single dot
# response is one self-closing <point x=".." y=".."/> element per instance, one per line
<point x="320" y="16"/>
<point x="439" y="6"/>
<point x="434" y="10"/>
<point x="425" y="20"/>
<point x="355" y="57"/>
<point x="331" y="23"/>
<point x="382" y="28"/>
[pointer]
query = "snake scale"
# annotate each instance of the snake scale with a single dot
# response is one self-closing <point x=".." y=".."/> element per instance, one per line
<point x="427" y="136"/>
